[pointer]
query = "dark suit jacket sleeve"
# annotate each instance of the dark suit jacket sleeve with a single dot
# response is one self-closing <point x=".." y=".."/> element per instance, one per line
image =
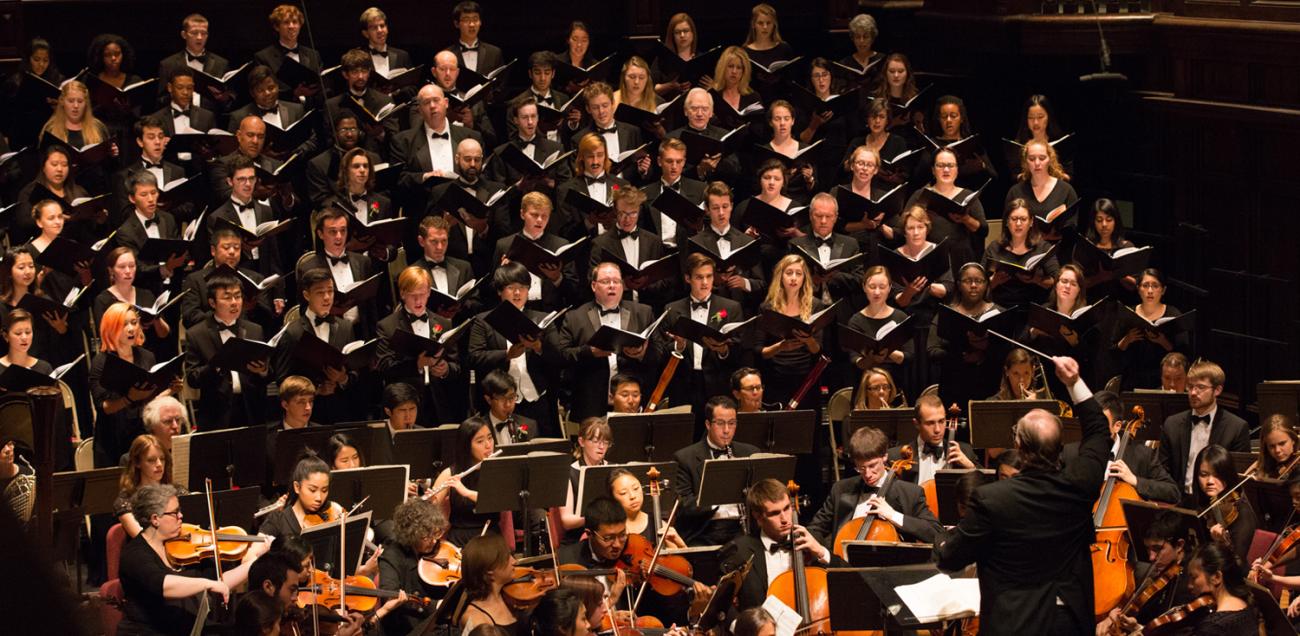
<point x="688" y="464"/>
<point x="1240" y="441"/>
<point x="1089" y="470"/>
<point x="198" y="373"/>
<point x="1155" y="484"/>
<point x="822" y="525"/>
<point x="960" y="546"/>
<point x="482" y="357"/>
<point x="1163" y="452"/>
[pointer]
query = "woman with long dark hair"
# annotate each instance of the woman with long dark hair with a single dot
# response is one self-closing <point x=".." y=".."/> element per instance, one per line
<point x="1233" y="524"/>
<point x="457" y="495"/>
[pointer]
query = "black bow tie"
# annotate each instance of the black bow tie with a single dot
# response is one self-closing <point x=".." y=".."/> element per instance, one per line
<point x="149" y="166"/>
<point x="600" y="179"/>
<point x="611" y="129"/>
<point x="819" y="241"/>
<point x="150" y="222"/>
<point x="505" y="423"/>
<point x="437" y="264"/>
<point x="676" y="187"/>
<point x="700" y="304"/>
<point x="240" y="207"/>
<point x="608" y="312"/>
<point x="622" y="234"/>
<point x="780" y="546"/>
<point x="336" y="260"/>
<point x="286" y="49"/>
<point x="868" y="489"/>
<point x="722" y="236"/>
<point x="267" y="111"/>
<point x="1200" y="419"/>
<point x="322" y="320"/>
<point x="544" y="100"/>
<point x="442" y="135"/>
<point x="201" y="59"/>
<point x="180" y="113"/>
<point x="357" y="198"/>
<point x="379" y="53"/>
<point x="465" y="48"/>
<point x="224" y="328"/>
<point x="719" y="452"/>
<point x="933" y="450"/>
<point x="524" y="143"/>
<point x="412" y="318"/>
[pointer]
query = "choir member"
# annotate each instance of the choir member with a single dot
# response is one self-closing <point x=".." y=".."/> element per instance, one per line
<point x="952" y="125"/>
<point x="148" y="462"/>
<point x="898" y="90"/>
<point x="864" y="166"/>
<point x="1067" y="297"/>
<point x="474" y="443"/>
<point x="920" y="296"/>
<point x="1173" y="372"/>
<point x="280" y="113"/>
<point x="1233" y="522"/>
<point x="522" y="114"/>
<point x="747" y="391"/>
<point x="146" y="221"/>
<point x="471" y="53"/>
<point x="773" y="178"/>
<point x="903" y="506"/>
<point x="346" y="267"/>
<point x="309" y="500"/>
<point x="619" y="137"/>
<point x="449" y="273"/>
<point x="876" y="389"/>
<point x="18" y="337"/>
<point x="577" y="53"/>
<point x="226" y="248"/>
<point x="863" y="32"/>
<point x="710" y="525"/>
<point x="1044" y="186"/>
<point x="786" y="362"/>
<point x="593" y="441"/>
<point x="801" y="174"/>
<point x="964" y="232"/>
<point x="1041" y="124"/>
<point x="633" y="84"/>
<point x="425" y="150"/>
<point x="557" y="285"/>
<point x="323" y="170"/>
<point x="831" y="130"/>
<point x="418" y="528"/>
<point x="439" y="377"/>
<point x="705" y="365"/>
<point x="1014" y="281"/>
<point x="244" y="208"/>
<point x="723" y="238"/>
<point x="196" y="56"/>
<point x="1139" y="467"/>
<point x="151" y="136"/>
<point x="23" y="121"/>
<point x="633" y="245"/>
<point x="967" y="368"/>
<point x="384" y="58"/>
<point x="827" y="245"/>
<point x="681" y="40"/>
<point x="1106" y="233"/>
<point x="672" y="165"/>
<point x="117" y="417"/>
<point x="287" y="21"/>
<point x="18" y="278"/>
<point x="228" y="397"/>
<point x="886" y="144"/>
<point x="872" y="317"/>
<point x="446" y="75"/>
<point x="541" y="74"/>
<point x="339" y="388"/>
<point x="769" y="552"/>
<point x="931" y="421"/>
<point x="699" y="106"/>
<point x="251" y="143"/>
<point x="55" y="176"/>
<point x="120" y="263"/>
<point x="763" y="44"/>
<point x="731" y="91"/>
<point x="361" y="99"/>
<point x="354" y="192"/>
<point x="1143" y="348"/>
<point x="1185" y="434"/>
<point x="110" y="60"/>
<point x="525" y="361"/>
<point x="159" y="599"/>
<point x="74" y="123"/>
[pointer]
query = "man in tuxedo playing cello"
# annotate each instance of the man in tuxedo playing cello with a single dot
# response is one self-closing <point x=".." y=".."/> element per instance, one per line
<point x="770" y="507"/>
<point x="1031" y="535"/>
<point x="1138" y="467"/>
<point x="932" y="454"/>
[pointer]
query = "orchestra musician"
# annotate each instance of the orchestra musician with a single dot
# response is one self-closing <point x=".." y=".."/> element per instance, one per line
<point x="625" y="488"/>
<point x="418" y="527"/>
<point x="931" y="422"/>
<point x="717" y="524"/>
<point x="1031" y="535"/>
<point x="1139" y="466"/>
<point x="456" y="494"/>
<point x="594" y="440"/>
<point x="308" y="502"/>
<point x="1168" y="546"/>
<point x="624" y="394"/>
<point x="877" y="390"/>
<point x="1173" y="372"/>
<point x="1184" y="435"/>
<point x="486" y="567"/>
<point x="147" y="463"/>
<point x="1216" y="571"/>
<point x="1233" y="523"/>
<point x="606" y="526"/>
<point x="747" y="390"/>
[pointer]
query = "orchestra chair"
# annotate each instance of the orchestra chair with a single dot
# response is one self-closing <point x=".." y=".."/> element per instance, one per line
<point x="1259" y="545"/>
<point x="84" y="457"/>
<point x="112" y="599"/>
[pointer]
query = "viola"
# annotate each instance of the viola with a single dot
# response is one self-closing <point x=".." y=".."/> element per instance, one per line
<point x="195" y="544"/>
<point x="442" y="567"/>
<point x="528" y="585"/>
<point x="872" y="527"/>
<point x="362" y="594"/>
<point x="325" y="515"/>
<point x="625" y="625"/>
<point x="672" y="573"/>
<point x="1179" y="613"/>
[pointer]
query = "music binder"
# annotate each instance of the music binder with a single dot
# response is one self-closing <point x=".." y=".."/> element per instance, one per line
<point x="408" y="342"/>
<point x="349" y="295"/>
<point x="903" y="269"/>
<point x="455" y="197"/>
<point x="534" y="256"/>
<point x="514" y="324"/>
<point x="160" y="304"/>
<point x="700" y="145"/>
<point x="855" y="207"/>
<point x="838" y="105"/>
<point x="121" y="376"/>
<point x="699" y="332"/>
<point x="771" y="220"/>
<point x="318" y="354"/>
<point x="779" y="325"/>
<point x="677" y="207"/>
<point x="891" y="336"/>
<point x="739" y="258"/>
<point x="17" y="378"/>
<point x="830" y="266"/>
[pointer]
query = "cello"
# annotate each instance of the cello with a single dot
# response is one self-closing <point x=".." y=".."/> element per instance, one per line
<point x="872" y="527"/>
<point x="1112" y="576"/>
<point x="950" y="435"/>
<point x="803" y="588"/>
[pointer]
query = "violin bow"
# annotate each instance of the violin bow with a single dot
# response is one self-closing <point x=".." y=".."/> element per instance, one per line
<point x="315" y="600"/>
<point x="1218" y="500"/>
<point x="654" y="558"/>
<point x="212" y="524"/>
<point x="343" y="562"/>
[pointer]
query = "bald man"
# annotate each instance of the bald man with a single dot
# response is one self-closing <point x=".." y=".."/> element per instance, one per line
<point x="486" y="229"/>
<point x="446" y="74"/>
<point x="250" y="133"/>
<point x="1030" y="536"/>
<point x="427" y="150"/>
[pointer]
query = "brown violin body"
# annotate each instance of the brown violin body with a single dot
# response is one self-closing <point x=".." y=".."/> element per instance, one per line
<point x="360" y="593"/>
<point x="195" y="544"/>
<point x="1179" y="613"/>
<point x="529" y="584"/>
<point x="672" y="573"/>
<point x="624" y="624"/>
<point x="442" y="568"/>
<point x="1111" y="574"/>
<point x="819" y="607"/>
<point x="1149" y="590"/>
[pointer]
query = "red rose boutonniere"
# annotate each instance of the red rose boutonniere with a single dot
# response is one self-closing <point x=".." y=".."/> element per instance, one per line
<point x="437" y="329"/>
<point x="374" y="207"/>
<point x="720" y="315"/>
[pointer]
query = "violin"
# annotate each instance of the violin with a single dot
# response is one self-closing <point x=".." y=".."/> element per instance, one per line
<point x="1179" y="613"/>
<point x="624" y="624"/>
<point x="872" y="527"/>
<point x="442" y="567"/>
<point x="361" y="593"/>
<point x="803" y="588"/>
<point x="672" y="573"/>
<point x="1150" y="588"/>
<point x="195" y="544"/>
<point x="528" y="585"/>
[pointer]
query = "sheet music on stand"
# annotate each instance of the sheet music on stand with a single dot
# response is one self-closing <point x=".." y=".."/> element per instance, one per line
<point x="896" y="424"/>
<point x="991" y="421"/>
<point x="231" y="507"/>
<point x="945" y="491"/>
<point x="384" y="486"/>
<point x="1159" y="405"/>
<point x="649" y="437"/>
<point x="867" y="598"/>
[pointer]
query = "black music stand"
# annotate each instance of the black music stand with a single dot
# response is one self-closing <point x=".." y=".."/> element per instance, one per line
<point x="778" y="431"/>
<point x="1278" y="396"/>
<point x="593" y="482"/>
<point x="896" y="424"/>
<point x="865" y="598"/>
<point x="539" y="480"/>
<point x="536" y="445"/>
<point x="1241" y="461"/>
<point x="290" y="445"/>
<point x="945" y="491"/>
<point x="232" y="457"/>
<point x="1269" y="496"/>
<point x="385" y="485"/>
<point x="1158" y="405"/>
<point x="885" y="554"/>
<point x="649" y="437"/>
<point x="1139" y="515"/>
<point x="426" y="450"/>
<point x="373" y="437"/>
<point x="90" y="492"/>
<point x="726" y="480"/>
<point x="991" y="421"/>
<point x="724" y="597"/>
<point x="324" y="541"/>
<point x="231" y="507"/>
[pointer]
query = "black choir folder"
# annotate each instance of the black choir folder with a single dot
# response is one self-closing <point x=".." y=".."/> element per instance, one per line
<point x="121" y="376"/>
<point x="65" y="254"/>
<point x="615" y="339"/>
<point x="678" y="208"/>
<point x="855" y="207"/>
<point x="742" y="257"/>
<point x="700" y="145"/>
<point x="780" y="325"/>
<point x="403" y="340"/>
<point x="318" y="354"/>
<point x="513" y="324"/>
<point x="699" y="332"/>
<point x="890" y="337"/>
<point x="903" y="269"/>
<point x="16" y="378"/>
<point x="771" y="220"/>
<point x="534" y="256"/>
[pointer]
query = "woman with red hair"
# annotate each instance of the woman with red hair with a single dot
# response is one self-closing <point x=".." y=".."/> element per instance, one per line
<point x="118" y="416"/>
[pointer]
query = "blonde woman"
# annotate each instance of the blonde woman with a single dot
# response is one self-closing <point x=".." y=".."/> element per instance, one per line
<point x="733" y="98"/>
<point x="785" y="362"/>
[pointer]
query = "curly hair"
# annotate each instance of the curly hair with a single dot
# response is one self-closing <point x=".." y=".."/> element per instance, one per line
<point x="416" y="520"/>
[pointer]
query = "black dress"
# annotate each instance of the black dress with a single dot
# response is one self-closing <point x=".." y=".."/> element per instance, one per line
<point x="1015" y="291"/>
<point x="1244" y="622"/>
<point x="147" y="613"/>
<point x="465" y="523"/>
<point x="785" y="371"/>
<point x="963" y="245"/>
<point x="115" y="431"/>
<point x="870" y="326"/>
<point x="769" y="84"/>
<point x="961" y="381"/>
<point x="399" y="570"/>
<point x="1140" y="363"/>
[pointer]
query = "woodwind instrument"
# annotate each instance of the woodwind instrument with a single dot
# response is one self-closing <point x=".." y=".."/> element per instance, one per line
<point x="808" y="382"/>
<point x="657" y="396"/>
<point x="461" y="475"/>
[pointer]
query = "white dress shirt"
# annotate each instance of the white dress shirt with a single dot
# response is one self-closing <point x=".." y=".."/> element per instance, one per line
<point x="440" y="150"/>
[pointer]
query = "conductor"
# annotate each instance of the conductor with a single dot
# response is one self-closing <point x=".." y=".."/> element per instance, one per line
<point x="1030" y="535"/>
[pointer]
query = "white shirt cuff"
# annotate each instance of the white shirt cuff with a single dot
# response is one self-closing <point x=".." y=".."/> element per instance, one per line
<point x="1079" y="391"/>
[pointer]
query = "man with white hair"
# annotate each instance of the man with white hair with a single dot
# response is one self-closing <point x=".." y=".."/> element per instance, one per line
<point x="715" y="167"/>
<point x="164" y="416"/>
<point x="1031" y="535"/>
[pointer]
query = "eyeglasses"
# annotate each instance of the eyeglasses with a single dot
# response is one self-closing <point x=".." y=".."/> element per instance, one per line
<point x="622" y="536"/>
<point x="756" y="387"/>
<point x="945" y="166"/>
<point x="1151" y="286"/>
<point x="864" y="468"/>
<point x="173" y="513"/>
<point x="609" y="281"/>
<point x="864" y="164"/>
<point x="599" y="442"/>
<point x="1199" y="387"/>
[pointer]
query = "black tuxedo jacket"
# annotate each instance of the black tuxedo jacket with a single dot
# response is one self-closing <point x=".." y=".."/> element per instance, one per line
<point x="274" y="57"/>
<point x="290" y="112"/>
<point x="323" y="174"/>
<point x="219" y="172"/>
<point x="717" y="371"/>
<point x="558" y="99"/>
<point x="589" y="375"/>
<point x="753" y="591"/>
<point x="1227" y="430"/>
<point x="654" y="293"/>
<point x="362" y="268"/>
<point x="216" y="391"/>
<point x="397" y="58"/>
<point x="400" y="366"/>
<point x="554" y="296"/>
<point x="691" y="519"/>
<point x="629" y="137"/>
<point x="459" y="272"/>
<point x="487" y="351"/>
<point x="499" y="170"/>
<point x="911" y="474"/>
<point x="131" y="234"/>
<point x="729" y="167"/>
<point x="489" y="56"/>
<point x="121" y="205"/>
<point x="194" y="305"/>
<point x="268" y="252"/>
<point x="1031" y="539"/>
<point x="372" y="101"/>
<point x="569" y="222"/>
<point x="213" y="65"/>
<point x="1154" y="482"/>
<point x="843" y="283"/>
<point x="411" y="148"/>
<point x="283" y="364"/>
<point x="757" y="281"/>
<point x="906" y="497"/>
<point x="652" y="218"/>
<point x="201" y="119"/>
<point x="499" y="214"/>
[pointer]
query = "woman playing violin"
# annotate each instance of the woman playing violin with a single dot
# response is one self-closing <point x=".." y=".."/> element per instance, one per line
<point x="1214" y="570"/>
<point x="626" y="489"/>
<point x="561" y="612"/>
<point x="1278" y="442"/>
<point x="308" y="503"/>
<point x="486" y="568"/>
<point x="160" y="599"/>
<point x="457" y="495"/>
<point x="418" y="526"/>
<point x="1233" y="524"/>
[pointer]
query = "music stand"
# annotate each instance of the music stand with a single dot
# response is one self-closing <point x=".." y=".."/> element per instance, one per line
<point x="884" y="554"/>
<point x="945" y="491"/>
<point x="991" y="421"/>
<point x="724" y="597"/>
<point x="896" y="424"/>
<point x="649" y="437"/>
<point x="1241" y="461"/>
<point x="864" y="598"/>
<point x="1139" y="515"/>
<point x="726" y="480"/>
<point x="536" y="445"/>
<point x="1269" y="496"/>
<point x="538" y="480"/>
<point x="426" y="450"/>
<point x="385" y="485"/>
<point x="593" y="480"/>
<point x="1071" y="430"/>
<point x="1158" y="405"/>
<point x="89" y="492"/>
<point x="373" y="437"/>
<point x="778" y="431"/>
<point x="324" y="541"/>
<point x="231" y="507"/>
<point x="449" y="608"/>
<point x="231" y="458"/>
<point x="291" y="443"/>
<point x="705" y="560"/>
<point x="1278" y="396"/>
